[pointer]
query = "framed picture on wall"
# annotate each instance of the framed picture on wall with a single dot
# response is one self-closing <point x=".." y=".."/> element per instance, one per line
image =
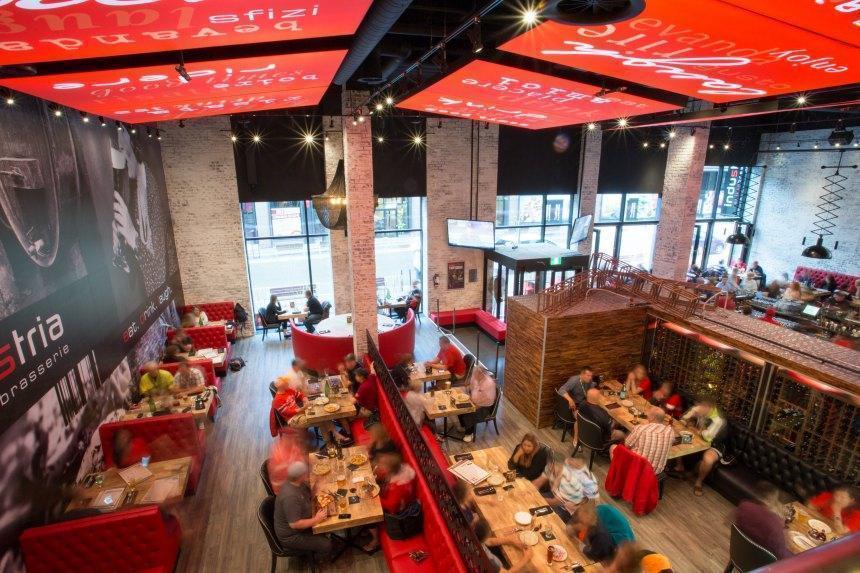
<point x="456" y="275"/>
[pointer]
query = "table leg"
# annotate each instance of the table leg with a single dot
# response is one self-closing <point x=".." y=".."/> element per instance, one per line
<point x="349" y="538"/>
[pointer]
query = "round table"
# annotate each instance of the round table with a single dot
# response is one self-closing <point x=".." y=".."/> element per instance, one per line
<point x="338" y="326"/>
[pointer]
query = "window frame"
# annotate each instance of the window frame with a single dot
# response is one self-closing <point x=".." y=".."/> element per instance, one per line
<point x="543" y="222"/>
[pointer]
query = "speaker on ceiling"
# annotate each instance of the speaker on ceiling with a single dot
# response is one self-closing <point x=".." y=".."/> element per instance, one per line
<point x="592" y="12"/>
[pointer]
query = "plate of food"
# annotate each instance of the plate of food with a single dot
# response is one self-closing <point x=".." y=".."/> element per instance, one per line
<point x="369" y="490"/>
<point x="496" y="480"/>
<point x="626" y="403"/>
<point x="460" y="396"/>
<point x="322" y="468"/>
<point x="819" y="526"/>
<point x="357" y="459"/>
<point x="324" y="499"/>
<point x="321" y="401"/>
<point x="559" y="553"/>
<point x="529" y="537"/>
<point x="330" y="408"/>
<point x="523" y="518"/>
<point x="803" y="541"/>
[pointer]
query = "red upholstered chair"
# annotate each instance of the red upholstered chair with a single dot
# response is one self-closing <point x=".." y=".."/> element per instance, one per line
<point x="398" y="342"/>
<point x="222" y="310"/>
<point x="843" y="281"/>
<point x="320" y="352"/>
<point x="126" y="541"/>
<point x="168" y="437"/>
<point x="211" y="337"/>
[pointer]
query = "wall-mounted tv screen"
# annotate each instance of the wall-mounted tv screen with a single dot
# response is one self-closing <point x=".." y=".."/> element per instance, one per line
<point x="581" y="228"/>
<point x="474" y="234"/>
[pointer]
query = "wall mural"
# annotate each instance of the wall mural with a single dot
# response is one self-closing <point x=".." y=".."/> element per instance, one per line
<point x="88" y="283"/>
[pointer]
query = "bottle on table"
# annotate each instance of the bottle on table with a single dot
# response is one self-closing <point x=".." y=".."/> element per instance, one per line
<point x="331" y="449"/>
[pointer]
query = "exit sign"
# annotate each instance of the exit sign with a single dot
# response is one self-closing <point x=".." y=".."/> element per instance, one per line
<point x="555" y="261"/>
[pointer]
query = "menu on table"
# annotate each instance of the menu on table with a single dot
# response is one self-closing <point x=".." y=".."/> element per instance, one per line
<point x="134" y="474"/>
<point x="162" y="489"/>
<point x="469" y="471"/>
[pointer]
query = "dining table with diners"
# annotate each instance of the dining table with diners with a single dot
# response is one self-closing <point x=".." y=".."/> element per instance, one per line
<point x="336" y="404"/>
<point x="444" y="403"/>
<point x="423" y="373"/>
<point x="198" y="403"/>
<point x="217" y="355"/>
<point x="806" y="527"/>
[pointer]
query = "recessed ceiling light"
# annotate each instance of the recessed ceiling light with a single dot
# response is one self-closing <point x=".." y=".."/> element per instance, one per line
<point x="378" y="107"/>
<point x="417" y="140"/>
<point x="726" y="146"/>
<point x="591" y="126"/>
<point x="662" y="145"/>
<point x="645" y="144"/>
<point x="361" y="119"/>
<point x="380" y="139"/>
<point x="309" y="138"/>
<point x="256" y="139"/>
<point x="529" y="16"/>
<point x="672" y="134"/>
<point x="389" y="100"/>
<point x="801" y="100"/>
<point x="815" y="146"/>
<point x="778" y="147"/>
<point x="711" y="146"/>
<point x="622" y="122"/>
<point x="233" y="138"/>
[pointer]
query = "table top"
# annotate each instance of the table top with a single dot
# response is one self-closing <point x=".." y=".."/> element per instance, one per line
<point x="315" y="414"/>
<point x="419" y="374"/>
<point x="800" y="524"/>
<point x="524" y="496"/>
<point x="178" y="468"/>
<point x="337" y="325"/>
<point x="176" y="405"/>
<point x="433" y="400"/>
<point x="365" y="512"/>
<point x="292" y="313"/>
<point x="227" y="327"/>
<point x="217" y="358"/>
<point x="392" y="304"/>
<point x="623" y="416"/>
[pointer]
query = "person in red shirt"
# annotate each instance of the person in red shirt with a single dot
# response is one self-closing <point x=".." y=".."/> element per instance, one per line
<point x="367" y="395"/>
<point x="841" y="506"/>
<point x="449" y="358"/>
<point x="666" y="398"/>
<point x="769" y="316"/>
<point x="638" y="382"/>
<point x="128" y="450"/>
<point x="397" y="489"/>
<point x="287" y="403"/>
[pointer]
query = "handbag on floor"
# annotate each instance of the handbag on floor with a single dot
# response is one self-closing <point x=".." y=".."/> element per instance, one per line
<point x="405" y="524"/>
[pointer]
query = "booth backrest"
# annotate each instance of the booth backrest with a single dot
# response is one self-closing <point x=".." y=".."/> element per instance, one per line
<point x="398" y="342"/>
<point x="207" y="336"/>
<point x="320" y="352"/>
<point x="818" y="276"/>
<point x="222" y="310"/>
<point x="125" y="541"/>
<point x="202" y="364"/>
<point x="177" y="436"/>
<point x="447" y="317"/>
<point x="445" y="554"/>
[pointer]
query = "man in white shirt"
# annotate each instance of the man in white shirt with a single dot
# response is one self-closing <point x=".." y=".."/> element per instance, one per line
<point x="482" y="391"/>
<point x="296" y="378"/>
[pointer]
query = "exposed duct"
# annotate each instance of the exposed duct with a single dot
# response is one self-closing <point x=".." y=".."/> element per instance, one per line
<point x="381" y="16"/>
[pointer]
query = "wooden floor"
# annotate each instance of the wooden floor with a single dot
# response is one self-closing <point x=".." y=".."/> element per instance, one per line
<point x="220" y="528"/>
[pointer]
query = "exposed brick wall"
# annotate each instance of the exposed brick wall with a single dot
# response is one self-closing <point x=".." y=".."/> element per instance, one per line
<point x="358" y="160"/>
<point x="681" y="186"/>
<point x="339" y="245"/>
<point x="202" y="190"/>
<point x="589" y="169"/>
<point x="452" y="145"/>
<point x="788" y="198"/>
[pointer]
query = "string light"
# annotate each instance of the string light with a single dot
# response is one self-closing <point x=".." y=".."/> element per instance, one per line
<point x="361" y="119"/>
<point x="148" y="132"/>
<point x="672" y="134"/>
<point x="389" y="100"/>
<point x="417" y="139"/>
<point x="726" y="146"/>
<point x="133" y="130"/>
<point x="233" y="138"/>
<point x="56" y="111"/>
<point x="815" y="145"/>
<point x="118" y="126"/>
<point x="801" y="100"/>
<point x="10" y="98"/>
<point x="84" y="117"/>
<point x="645" y="144"/>
<point x="102" y="121"/>
<point x="309" y="138"/>
<point x="778" y="148"/>
<point x="380" y="139"/>
<point x="711" y="146"/>
<point x="379" y="107"/>
<point x="591" y="126"/>
<point x="662" y="145"/>
<point x="622" y="122"/>
<point x="158" y="134"/>
<point x="256" y="138"/>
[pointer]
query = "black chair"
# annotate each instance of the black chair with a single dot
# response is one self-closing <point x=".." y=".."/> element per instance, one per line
<point x="266" y="515"/>
<point x="264" y="475"/>
<point x="273" y="388"/>
<point x="417" y="310"/>
<point x="261" y="312"/>
<point x="492" y="416"/>
<point x="745" y="554"/>
<point x="326" y="309"/>
<point x="591" y="437"/>
<point x="469" y="360"/>
<point x="563" y="416"/>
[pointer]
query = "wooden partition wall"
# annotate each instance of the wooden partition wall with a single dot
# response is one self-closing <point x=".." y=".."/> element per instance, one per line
<point x="542" y="352"/>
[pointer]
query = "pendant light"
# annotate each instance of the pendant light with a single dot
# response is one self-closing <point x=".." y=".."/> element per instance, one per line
<point x="737" y="238"/>
<point x="827" y="209"/>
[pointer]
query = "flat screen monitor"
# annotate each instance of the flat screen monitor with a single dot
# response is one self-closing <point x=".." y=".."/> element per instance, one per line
<point x="474" y="234"/>
<point x="581" y="228"/>
<point x="811" y="311"/>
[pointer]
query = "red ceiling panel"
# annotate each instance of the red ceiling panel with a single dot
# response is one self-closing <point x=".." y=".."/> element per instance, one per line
<point x="702" y="48"/>
<point x="487" y="91"/>
<point x="156" y="93"/>
<point x="54" y="30"/>
<point x="839" y="19"/>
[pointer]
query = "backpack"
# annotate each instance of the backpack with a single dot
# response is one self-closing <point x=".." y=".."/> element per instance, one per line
<point x="240" y="314"/>
<point x="236" y="364"/>
<point x="405" y="524"/>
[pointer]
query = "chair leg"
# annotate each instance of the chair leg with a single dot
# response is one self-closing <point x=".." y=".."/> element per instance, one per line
<point x="265" y="331"/>
<point x="495" y="426"/>
<point x="591" y="460"/>
<point x="563" y="431"/>
<point x="575" y="450"/>
<point x="274" y="563"/>
<point x="729" y="568"/>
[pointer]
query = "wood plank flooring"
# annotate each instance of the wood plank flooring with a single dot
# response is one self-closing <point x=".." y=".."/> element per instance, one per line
<point x="220" y="528"/>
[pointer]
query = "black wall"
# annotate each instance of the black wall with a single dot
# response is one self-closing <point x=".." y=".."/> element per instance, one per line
<point x="536" y="162"/>
<point x="628" y="167"/>
<point x="399" y="165"/>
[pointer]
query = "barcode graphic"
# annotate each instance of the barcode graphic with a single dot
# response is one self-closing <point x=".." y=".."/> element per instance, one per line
<point x="76" y="386"/>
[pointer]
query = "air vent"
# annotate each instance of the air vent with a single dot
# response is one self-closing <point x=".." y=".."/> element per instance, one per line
<point x="592" y="12"/>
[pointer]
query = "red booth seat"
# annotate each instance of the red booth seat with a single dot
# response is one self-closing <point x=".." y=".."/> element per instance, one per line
<point x="399" y="342"/>
<point x="843" y="281"/>
<point x="492" y="326"/>
<point x="168" y="437"/>
<point x="125" y="541"/>
<point x="209" y="337"/>
<point x="202" y="364"/>
<point x="320" y="352"/>
<point x="222" y="310"/>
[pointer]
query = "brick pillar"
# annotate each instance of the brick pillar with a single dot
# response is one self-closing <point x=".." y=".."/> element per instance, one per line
<point x="589" y="169"/>
<point x="358" y="161"/>
<point x="685" y="163"/>
<point x="333" y="146"/>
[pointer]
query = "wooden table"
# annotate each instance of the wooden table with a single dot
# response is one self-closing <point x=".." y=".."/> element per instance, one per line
<point x="524" y="496"/>
<point x="228" y="328"/>
<point x="623" y="416"/>
<point x="217" y="358"/>
<point x="347" y="410"/>
<point x="178" y="468"/>
<point x="442" y="398"/>
<point x="418" y="373"/>
<point x="800" y="524"/>
<point x="341" y="326"/>
<point x="176" y="405"/>
<point x="365" y="512"/>
<point x="292" y="314"/>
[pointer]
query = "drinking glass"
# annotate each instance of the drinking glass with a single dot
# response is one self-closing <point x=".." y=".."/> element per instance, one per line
<point x="341" y="480"/>
<point x="342" y="503"/>
<point x="100" y="479"/>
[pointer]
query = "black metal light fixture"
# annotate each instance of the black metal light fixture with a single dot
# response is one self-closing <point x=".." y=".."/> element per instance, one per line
<point x="592" y="12"/>
<point x="738" y="238"/>
<point x="826" y="214"/>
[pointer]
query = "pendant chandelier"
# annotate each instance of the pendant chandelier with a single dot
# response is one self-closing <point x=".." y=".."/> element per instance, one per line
<point x="825" y="218"/>
<point x="331" y="205"/>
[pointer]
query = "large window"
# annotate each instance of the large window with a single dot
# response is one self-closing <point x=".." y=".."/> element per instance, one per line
<point x="533" y="218"/>
<point x="626" y="226"/>
<point x="399" y="223"/>
<point x="288" y="252"/>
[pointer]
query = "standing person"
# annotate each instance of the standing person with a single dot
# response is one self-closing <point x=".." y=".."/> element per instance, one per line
<point x="314" y="310"/>
<point x="449" y="358"/>
<point x="273" y="309"/>
<point x="200" y="318"/>
<point x="638" y="382"/>
<point x="710" y="422"/>
<point x="482" y="391"/>
<point x="530" y="459"/>
<point x="761" y="520"/>
<point x="762" y="276"/>
<point x="651" y="440"/>
<point x="397" y="489"/>
<point x="294" y="516"/>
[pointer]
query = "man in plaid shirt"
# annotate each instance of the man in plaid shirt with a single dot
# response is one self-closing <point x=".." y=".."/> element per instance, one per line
<point x="652" y="440"/>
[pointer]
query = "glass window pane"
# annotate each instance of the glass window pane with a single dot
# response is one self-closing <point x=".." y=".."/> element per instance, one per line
<point x="557" y="235"/>
<point x="518" y="235"/>
<point x="609" y="207"/>
<point x="637" y="245"/>
<point x="731" y="187"/>
<point x="512" y="210"/>
<point x="320" y="251"/>
<point x="398" y="263"/>
<point x="604" y="239"/>
<point x="642" y="207"/>
<point x="710" y="180"/>
<point x="557" y="209"/>
<point x="397" y="214"/>
<point x="278" y="266"/>
<point x="719" y="251"/>
<point x="697" y="246"/>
